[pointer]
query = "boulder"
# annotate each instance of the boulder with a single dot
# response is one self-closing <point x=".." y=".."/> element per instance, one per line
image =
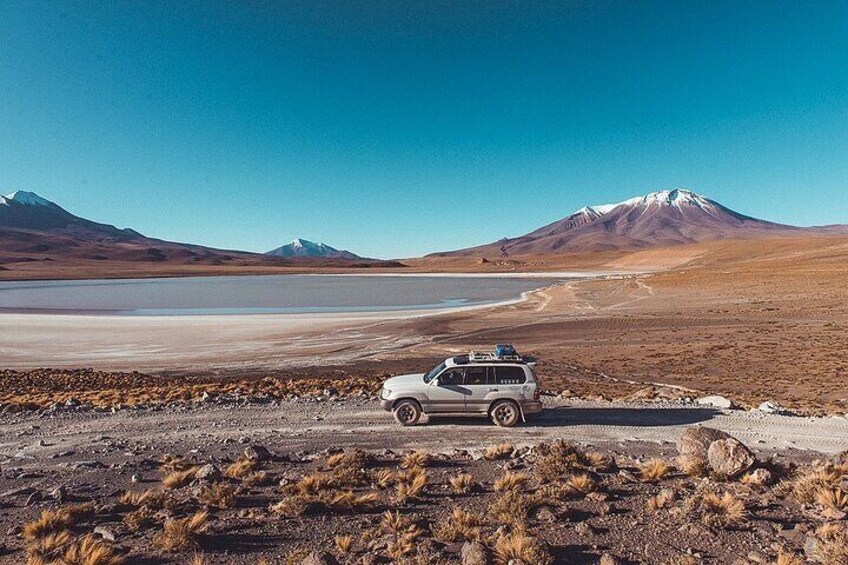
<point x="696" y="440"/>
<point x="474" y="553"/>
<point x="771" y="407"/>
<point x="208" y="472"/>
<point x="257" y="452"/>
<point x="716" y="401"/>
<point x="729" y="457"/>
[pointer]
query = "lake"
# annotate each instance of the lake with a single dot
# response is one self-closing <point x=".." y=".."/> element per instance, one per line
<point x="266" y="294"/>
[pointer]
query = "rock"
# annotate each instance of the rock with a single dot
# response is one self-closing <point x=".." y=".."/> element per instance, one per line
<point x="772" y="407"/>
<point x="319" y="558"/>
<point x="609" y="559"/>
<point x="208" y="472"/>
<point x="545" y="514"/>
<point x="696" y="440"/>
<point x="136" y="478"/>
<point x="729" y="457"/>
<point x="762" y="477"/>
<point x="105" y="533"/>
<point x="257" y="453"/>
<point x="474" y="553"/>
<point x="584" y="529"/>
<point x="59" y="494"/>
<point x="716" y="401"/>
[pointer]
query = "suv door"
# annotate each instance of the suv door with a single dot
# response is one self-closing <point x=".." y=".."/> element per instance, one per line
<point x="478" y="381"/>
<point x="448" y="394"/>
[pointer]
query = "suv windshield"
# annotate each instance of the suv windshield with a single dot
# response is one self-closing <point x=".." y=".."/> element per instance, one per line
<point x="434" y="371"/>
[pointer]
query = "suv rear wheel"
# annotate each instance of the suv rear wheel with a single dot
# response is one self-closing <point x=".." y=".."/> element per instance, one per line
<point x="505" y="413"/>
<point x="407" y="412"/>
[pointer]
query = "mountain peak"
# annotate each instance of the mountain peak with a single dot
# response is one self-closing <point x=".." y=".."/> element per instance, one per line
<point x="25" y="198"/>
<point x="300" y="247"/>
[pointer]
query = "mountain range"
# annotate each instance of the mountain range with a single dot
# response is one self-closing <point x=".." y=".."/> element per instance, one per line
<point x="34" y="229"/>
<point x="305" y="248"/>
<point x="657" y="219"/>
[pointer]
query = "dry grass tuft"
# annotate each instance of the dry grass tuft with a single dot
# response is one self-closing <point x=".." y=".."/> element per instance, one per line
<point x="519" y="546"/>
<point x="581" y="484"/>
<point x="185" y="533"/>
<point x="241" y="468"/>
<point x="349" y="500"/>
<point x="654" y="471"/>
<point x="788" y="558"/>
<point x="199" y="559"/>
<point x="461" y="483"/>
<point x="394" y="522"/>
<point x="179" y="479"/>
<point x="511" y="481"/>
<point x="460" y="525"/>
<point x="156" y="499"/>
<point x="500" y="451"/>
<point x="556" y="460"/>
<point x="418" y="458"/>
<point x="140" y="519"/>
<point x="511" y="508"/>
<point x="833" y="500"/>
<point x="311" y="484"/>
<point x="693" y="466"/>
<point x="805" y="486"/>
<point x="599" y="462"/>
<point x="412" y="488"/>
<point x="831" y="546"/>
<point x="170" y="463"/>
<point x="50" y="522"/>
<point x="218" y="495"/>
<point x="292" y="506"/>
<point x="343" y="543"/>
<point x="723" y="511"/>
<point x="90" y="551"/>
<point x="383" y="478"/>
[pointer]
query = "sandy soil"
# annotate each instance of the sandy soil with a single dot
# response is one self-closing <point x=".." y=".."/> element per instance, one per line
<point x="752" y="320"/>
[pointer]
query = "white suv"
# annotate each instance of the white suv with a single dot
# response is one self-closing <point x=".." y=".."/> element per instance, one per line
<point x="501" y="385"/>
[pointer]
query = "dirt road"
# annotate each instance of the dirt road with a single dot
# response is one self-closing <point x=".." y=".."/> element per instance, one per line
<point x="62" y="438"/>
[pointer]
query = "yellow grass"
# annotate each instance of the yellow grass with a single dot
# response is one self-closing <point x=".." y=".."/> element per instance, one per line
<point x="654" y="470"/>
<point x="461" y="483"/>
<point x="511" y="481"/>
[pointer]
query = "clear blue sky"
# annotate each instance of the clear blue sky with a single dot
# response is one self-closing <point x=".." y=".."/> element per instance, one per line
<point x="400" y="128"/>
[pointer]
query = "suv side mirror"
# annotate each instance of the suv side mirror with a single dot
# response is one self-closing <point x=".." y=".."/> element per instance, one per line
<point x="434" y="381"/>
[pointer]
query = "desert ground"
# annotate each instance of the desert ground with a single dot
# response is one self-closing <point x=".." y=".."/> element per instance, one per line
<point x="259" y="439"/>
<point x="331" y="478"/>
<point x="753" y="320"/>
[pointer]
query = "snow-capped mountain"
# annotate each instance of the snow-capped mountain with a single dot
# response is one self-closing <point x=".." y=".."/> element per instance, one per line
<point x="29" y="211"/>
<point x="305" y="248"/>
<point x="661" y="218"/>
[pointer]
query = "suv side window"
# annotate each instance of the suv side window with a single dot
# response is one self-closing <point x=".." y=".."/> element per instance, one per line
<point x="451" y="377"/>
<point x="476" y="375"/>
<point x="510" y="375"/>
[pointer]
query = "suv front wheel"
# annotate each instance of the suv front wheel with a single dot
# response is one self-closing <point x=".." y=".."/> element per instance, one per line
<point x="505" y="413"/>
<point x="407" y="412"/>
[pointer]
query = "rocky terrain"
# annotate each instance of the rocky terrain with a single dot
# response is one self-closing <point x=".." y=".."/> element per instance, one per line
<point x="301" y="480"/>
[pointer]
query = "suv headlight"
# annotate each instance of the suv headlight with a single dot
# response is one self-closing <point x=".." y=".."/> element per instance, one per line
<point x="386" y="393"/>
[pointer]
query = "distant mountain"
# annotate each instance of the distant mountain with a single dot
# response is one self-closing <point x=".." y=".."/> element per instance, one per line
<point x="666" y="217"/>
<point x="305" y="248"/>
<point x="29" y="211"/>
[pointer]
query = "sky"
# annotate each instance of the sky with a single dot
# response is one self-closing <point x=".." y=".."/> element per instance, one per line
<point x="399" y="128"/>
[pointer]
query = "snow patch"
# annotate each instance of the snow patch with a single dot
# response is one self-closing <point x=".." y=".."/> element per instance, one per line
<point x="25" y="198"/>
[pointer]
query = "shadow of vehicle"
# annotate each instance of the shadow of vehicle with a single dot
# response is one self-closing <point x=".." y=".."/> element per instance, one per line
<point x="563" y="416"/>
